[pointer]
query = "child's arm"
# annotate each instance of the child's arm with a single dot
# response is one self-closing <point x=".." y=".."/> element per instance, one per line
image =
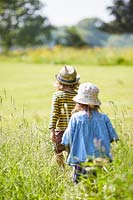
<point x="53" y="116"/>
<point x="112" y="133"/>
<point x="52" y="131"/>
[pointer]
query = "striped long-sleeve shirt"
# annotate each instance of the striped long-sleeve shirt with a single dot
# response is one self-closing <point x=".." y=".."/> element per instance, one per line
<point x="61" y="108"/>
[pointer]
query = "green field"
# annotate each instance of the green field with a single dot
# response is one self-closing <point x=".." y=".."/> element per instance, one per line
<point x="32" y="85"/>
<point x="27" y="167"/>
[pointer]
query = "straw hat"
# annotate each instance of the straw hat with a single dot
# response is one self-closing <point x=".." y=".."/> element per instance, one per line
<point x="87" y="94"/>
<point x="68" y="75"/>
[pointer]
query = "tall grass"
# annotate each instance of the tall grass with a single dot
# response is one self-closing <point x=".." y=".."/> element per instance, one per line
<point x="28" y="169"/>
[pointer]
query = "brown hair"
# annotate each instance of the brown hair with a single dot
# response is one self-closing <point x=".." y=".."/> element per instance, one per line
<point x="61" y="86"/>
<point x="87" y="108"/>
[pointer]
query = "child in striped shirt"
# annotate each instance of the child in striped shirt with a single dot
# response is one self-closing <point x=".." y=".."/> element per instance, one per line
<point x="62" y="105"/>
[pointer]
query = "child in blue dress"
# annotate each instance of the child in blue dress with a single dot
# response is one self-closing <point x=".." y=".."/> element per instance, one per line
<point x="89" y="132"/>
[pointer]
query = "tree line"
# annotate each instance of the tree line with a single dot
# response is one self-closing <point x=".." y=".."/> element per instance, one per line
<point x="23" y="25"/>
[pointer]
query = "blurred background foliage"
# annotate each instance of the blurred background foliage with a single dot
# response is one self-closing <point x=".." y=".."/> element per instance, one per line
<point x="72" y="56"/>
<point x="23" y="26"/>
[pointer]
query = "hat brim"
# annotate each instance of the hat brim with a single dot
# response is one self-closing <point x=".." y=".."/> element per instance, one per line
<point x="67" y="82"/>
<point x="87" y="101"/>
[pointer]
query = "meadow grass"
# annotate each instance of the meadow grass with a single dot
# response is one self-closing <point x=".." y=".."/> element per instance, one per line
<point x="27" y="166"/>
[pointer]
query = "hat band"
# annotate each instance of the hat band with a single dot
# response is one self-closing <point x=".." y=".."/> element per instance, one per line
<point x="66" y="81"/>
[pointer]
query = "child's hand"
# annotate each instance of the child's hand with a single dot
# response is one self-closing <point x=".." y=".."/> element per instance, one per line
<point x="114" y="143"/>
<point x="114" y="147"/>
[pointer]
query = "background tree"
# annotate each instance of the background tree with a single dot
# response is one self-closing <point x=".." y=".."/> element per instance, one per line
<point x="21" y="23"/>
<point x="68" y="36"/>
<point x="73" y="38"/>
<point x="122" y="11"/>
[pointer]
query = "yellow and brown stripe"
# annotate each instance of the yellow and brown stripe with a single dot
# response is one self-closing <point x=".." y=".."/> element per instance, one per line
<point x="61" y="108"/>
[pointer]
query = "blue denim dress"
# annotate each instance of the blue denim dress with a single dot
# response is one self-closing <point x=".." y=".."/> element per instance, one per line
<point x="88" y="137"/>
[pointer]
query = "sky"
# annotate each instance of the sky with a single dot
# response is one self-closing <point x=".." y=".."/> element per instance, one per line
<point x="70" y="12"/>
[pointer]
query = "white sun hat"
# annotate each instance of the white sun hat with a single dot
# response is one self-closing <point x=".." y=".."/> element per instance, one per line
<point x="87" y="94"/>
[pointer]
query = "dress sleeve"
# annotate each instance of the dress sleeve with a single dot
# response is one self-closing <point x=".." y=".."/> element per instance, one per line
<point x="69" y="132"/>
<point x="54" y="115"/>
<point x="112" y="133"/>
